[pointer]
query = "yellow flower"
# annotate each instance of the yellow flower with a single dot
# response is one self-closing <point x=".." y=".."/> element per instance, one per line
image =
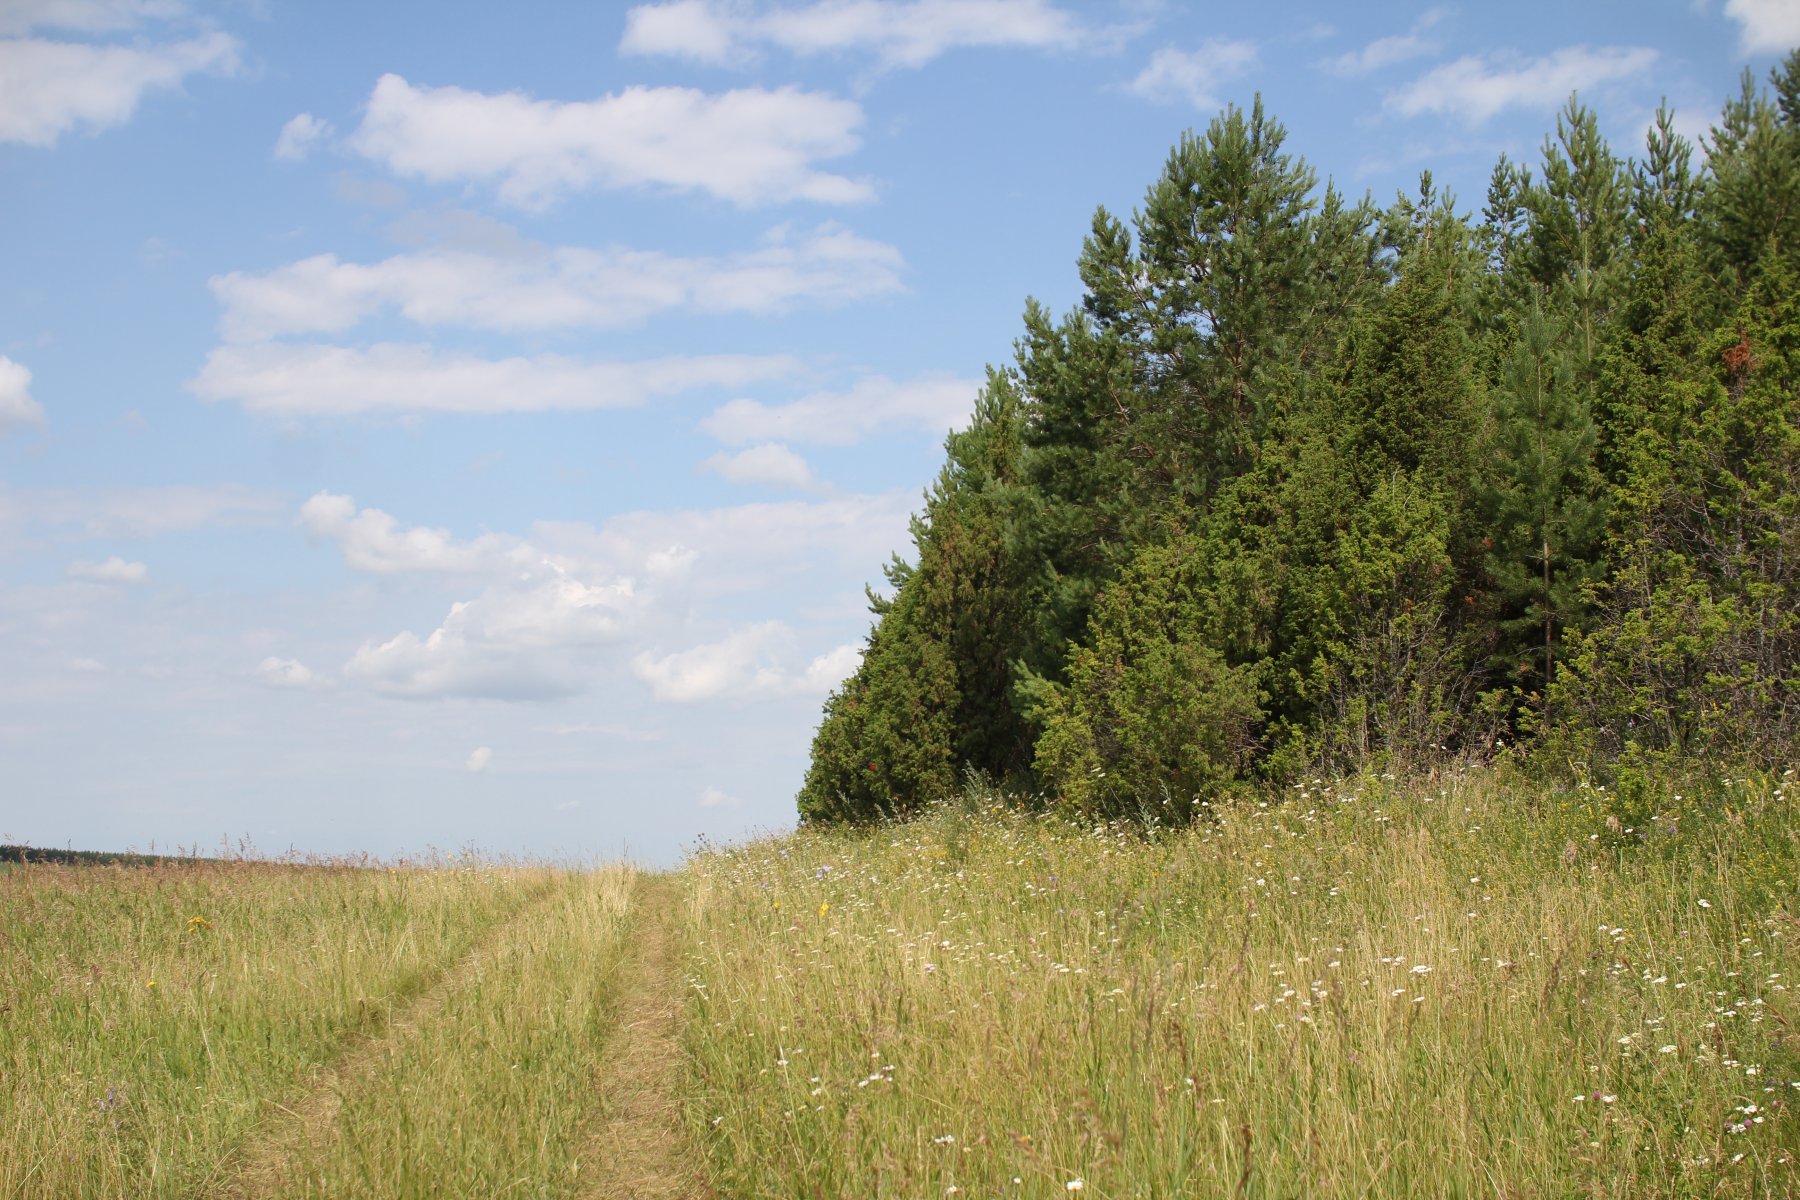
<point x="822" y="909"/>
<point x="199" y="923"/>
<point x="149" y="983"/>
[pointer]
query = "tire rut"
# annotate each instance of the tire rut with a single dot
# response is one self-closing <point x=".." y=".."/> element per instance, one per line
<point x="262" y="1164"/>
<point x="639" y="1147"/>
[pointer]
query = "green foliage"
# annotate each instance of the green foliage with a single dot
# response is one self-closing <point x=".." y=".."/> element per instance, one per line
<point x="1153" y="723"/>
<point x="1301" y="484"/>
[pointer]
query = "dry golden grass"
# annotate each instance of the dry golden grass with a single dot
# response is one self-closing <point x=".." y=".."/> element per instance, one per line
<point x="1472" y="988"/>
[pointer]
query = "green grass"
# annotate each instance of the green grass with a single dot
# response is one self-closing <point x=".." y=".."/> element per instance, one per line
<point x="1479" y="987"/>
<point x="150" y="1017"/>
<point x="493" y="1095"/>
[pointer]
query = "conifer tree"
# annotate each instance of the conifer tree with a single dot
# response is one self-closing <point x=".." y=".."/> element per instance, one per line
<point x="1541" y="501"/>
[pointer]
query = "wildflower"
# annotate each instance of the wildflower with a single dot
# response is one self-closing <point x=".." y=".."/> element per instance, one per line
<point x="1704" y="903"/>
<point x="149" y="983"/>
<point x="1665" y="1049"/>
<point x="822" y="909"/>
<point x="1074" y="1185"/>
<point x="199" y="923"/>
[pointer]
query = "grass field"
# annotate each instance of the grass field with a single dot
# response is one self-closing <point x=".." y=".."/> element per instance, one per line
<point x="1469" y="987"/>
<point x="1455" y="990"/>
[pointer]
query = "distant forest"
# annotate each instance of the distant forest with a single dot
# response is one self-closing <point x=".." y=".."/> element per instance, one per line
<point x="1309" y="485"/>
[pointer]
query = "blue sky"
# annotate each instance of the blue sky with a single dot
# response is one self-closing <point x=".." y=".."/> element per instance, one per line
<point x="453" y="424"/>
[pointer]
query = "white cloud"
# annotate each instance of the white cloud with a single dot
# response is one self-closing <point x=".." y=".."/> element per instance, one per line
<point x="48" y="88"/>
<point x="113" y="570"/>
<point x="770" y="463"/>
<point x="392" y="378"/>
<point x="17" y="408"/>
<point x="84" y="16"/>
<point x="930" y="404"/>
<point x="479" y="758"/>
<point x="1194" y="76"/>
<point x="748" y="662"/>
<point x="372" y="540"/>
<point x="1477" y="88"/>
<point x="517" y="640"/>
<point x="86" y="666"/>
<point x="522" y="636"/>
<point x="1765" y="26"/>
<point x="745" y="548"/>
<point x="712" y="797"/>
<point x="899" y="34"/>
<point x="552" y="606"/>
<point x="285" y="673"/>
<point x="1385" y="52"/>
<point x="533" y="287"/>
<point x="751" y="146"/>
<point x="300" y="135"/>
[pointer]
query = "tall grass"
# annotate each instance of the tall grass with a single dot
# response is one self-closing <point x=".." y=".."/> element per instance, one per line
<point x="1473" y="987"/>
<point x="490" y="1095"/>
<point x="150" y="1017"/>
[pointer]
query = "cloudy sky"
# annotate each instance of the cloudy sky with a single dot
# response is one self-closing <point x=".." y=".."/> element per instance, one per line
<point x="460" y="424"/>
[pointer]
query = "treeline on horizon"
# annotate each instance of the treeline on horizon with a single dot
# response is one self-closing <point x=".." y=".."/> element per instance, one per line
<point x="1308" y="485"/>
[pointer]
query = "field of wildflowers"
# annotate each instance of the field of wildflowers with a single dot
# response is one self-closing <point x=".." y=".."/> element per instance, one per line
<point x="1474" y="986"/>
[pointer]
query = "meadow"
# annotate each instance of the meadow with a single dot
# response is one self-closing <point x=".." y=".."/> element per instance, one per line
<point x="243" y="1028"/>
<point x="1468" y="985"/>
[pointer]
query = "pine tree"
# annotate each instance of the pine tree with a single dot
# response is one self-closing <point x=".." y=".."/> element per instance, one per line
<point x="1542" y="498"/>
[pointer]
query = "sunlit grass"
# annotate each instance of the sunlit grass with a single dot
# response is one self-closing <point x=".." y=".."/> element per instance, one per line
<point x="492" y="1094"/>
<point x="1477" y="986"/>
<point x="150" y="1017"/>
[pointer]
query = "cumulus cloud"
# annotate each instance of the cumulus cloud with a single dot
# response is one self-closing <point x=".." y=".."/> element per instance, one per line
<point x="931" y="404"/>
<point x="713" y="797"/>
<point x="549" y="607"/>
<point x="113" y="570"/>
<point x="17" y="408"/>
<point x="524" y="286"/>
<point x="748" y="662"/>
<point x="1385" y="52"/>
<point x="316" y="380"/>
<point x="285" y="673"/>
<point x="771" y="464"/>
<point x="515" y="641"/>
<point x="714" y="553"/>
<point x="478" y="759"/>
<point x="898" y="34"/>
<point x="372" y="540"/>
<point x="48" y="88"/>
<point x="750" y="146"/>
<point x="300" y="135"/>
<point x="1476" y="88"/>
<point x="522" y="636"/>
<point x="1194" y="76"/>
<point x="1765" y="26"/>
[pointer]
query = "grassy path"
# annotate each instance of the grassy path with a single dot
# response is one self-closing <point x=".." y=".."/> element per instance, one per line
<point x="639" y="1149"/>
<point x="544" y="1062"/>
<point x="264" y="1164"/>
